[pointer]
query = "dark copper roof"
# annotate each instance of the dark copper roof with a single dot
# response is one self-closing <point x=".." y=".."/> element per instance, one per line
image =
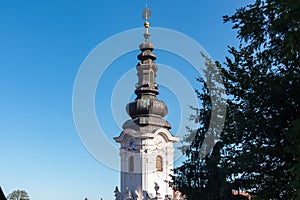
<point x="147" y="109"/>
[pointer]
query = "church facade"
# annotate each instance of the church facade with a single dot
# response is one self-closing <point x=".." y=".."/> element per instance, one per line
<point x="146" y="144"/>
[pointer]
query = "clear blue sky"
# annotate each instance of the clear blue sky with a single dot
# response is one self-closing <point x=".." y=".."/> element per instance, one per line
<point x="42" y="45"/>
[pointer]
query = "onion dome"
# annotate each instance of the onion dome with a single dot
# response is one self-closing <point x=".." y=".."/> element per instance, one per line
<point x="146" y="109"/>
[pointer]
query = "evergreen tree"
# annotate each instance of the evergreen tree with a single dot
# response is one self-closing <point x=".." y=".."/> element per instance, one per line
<point x="200" y="176"/>
<point x="263" y="79"/>
<point x="259" y="150"/>
<point x="18" y="195"/>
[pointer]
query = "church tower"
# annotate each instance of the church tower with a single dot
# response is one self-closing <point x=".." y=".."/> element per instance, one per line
<point x="147" y="150"/>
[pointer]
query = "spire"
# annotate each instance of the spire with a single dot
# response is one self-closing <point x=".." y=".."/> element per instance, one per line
<point x="147" y="109"/>
<point x="146" y="47"/>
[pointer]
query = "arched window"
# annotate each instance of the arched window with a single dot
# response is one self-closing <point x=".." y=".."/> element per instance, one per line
<point x="159" y="164"/>
<point x="151" y="76"/>
<point x="131" y="164"/>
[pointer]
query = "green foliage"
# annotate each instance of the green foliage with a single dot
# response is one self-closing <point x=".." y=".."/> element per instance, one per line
<point x="200" y="177"/>
<point x="263" y="80"/>
<point x="293" y="137"/>
<point x="18" y="195"/>
<point x="259" y="148"/>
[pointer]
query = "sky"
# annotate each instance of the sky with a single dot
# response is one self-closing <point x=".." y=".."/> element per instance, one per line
<point x="43" y="45"/>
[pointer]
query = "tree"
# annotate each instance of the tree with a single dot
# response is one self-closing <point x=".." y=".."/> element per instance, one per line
<point x="200" y="176"/>
<point x="18" y="195"/>
<point x="258" y="151"/>
<point x="263" y="78"/>
<point x="293" y="137"/>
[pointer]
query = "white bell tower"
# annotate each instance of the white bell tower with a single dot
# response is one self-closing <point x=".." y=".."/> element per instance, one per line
<point x="147" y="151"/>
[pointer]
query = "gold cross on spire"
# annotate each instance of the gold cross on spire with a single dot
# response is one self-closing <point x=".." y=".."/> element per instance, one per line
<point x="146" y="15"/>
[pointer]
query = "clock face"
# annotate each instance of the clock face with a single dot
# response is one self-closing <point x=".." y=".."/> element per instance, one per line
<point x="130" y="142"/>
<point x="159" y="142"/>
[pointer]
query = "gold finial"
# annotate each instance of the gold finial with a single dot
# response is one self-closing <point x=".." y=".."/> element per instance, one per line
<point x="146" y="15"/>
<point x="146" y="24"/>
